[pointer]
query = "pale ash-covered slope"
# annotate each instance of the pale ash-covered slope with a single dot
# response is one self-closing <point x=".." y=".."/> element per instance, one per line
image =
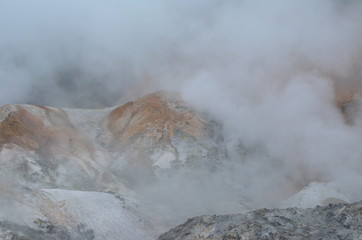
<point x="64" y="214"/>
<point x="115" y="150"/>
<point x="112" y="149"/>
<point x="41" y="142"/>
<point x="41" y="147"/>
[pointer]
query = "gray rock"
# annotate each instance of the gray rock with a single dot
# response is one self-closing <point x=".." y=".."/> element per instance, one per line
<point x="335" y="221"/>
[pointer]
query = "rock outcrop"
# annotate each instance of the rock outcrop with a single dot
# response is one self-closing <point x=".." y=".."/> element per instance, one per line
<point x="335" y="221"/>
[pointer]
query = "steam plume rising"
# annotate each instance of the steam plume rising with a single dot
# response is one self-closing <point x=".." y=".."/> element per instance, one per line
<point x="266" y="70"/>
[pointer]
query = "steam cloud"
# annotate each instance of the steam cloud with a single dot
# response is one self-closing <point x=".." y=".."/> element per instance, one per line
<point x="266" y="69"/>
<point x="88" y="53"/>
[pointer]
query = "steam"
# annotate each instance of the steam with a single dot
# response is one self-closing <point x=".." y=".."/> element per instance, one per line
<point x="88" y="54"/>
<point x="266" y="70"/>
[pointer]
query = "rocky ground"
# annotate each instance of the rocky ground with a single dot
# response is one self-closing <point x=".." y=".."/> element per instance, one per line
<point x="136" y="170"/>
<point x="335" y="221"/>
<point x="72" y="173"/>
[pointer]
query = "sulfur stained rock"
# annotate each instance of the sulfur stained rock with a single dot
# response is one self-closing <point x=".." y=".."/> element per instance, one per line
<point x="154" y="120"/>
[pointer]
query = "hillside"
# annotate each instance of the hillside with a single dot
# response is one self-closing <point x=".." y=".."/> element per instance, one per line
<point x="131" y="172"/>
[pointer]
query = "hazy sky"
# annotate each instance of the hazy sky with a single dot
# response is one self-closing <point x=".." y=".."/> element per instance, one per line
<point x="89" y="53"/>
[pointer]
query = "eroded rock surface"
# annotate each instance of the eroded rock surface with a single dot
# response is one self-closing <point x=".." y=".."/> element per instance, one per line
<point x="335" y="221"/>
<point x="75" y="173"/>
<point x="97" y="157"/>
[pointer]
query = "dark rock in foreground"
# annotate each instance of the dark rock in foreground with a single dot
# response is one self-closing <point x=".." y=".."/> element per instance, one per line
<point x="335" y="221"/>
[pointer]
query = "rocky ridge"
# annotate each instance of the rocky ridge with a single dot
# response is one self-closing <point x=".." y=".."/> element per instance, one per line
<point x="70" y="173"/>
<point x="335" y="221"/>
<point x="73" y="173"/>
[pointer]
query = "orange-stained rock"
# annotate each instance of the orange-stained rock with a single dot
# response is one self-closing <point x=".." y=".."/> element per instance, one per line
<point x="344" y="95"/>
<point x="348" y="99"/>
<point x="66" y="147"/>
<point x="153" y="120"/>
<point x="45" y="130"/>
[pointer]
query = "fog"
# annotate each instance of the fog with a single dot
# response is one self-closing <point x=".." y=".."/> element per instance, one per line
<point x="91" y="53"/>
<point x="266" y="70"/>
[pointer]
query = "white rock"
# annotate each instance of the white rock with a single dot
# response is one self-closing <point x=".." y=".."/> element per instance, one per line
<point x="316" y="193"/>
